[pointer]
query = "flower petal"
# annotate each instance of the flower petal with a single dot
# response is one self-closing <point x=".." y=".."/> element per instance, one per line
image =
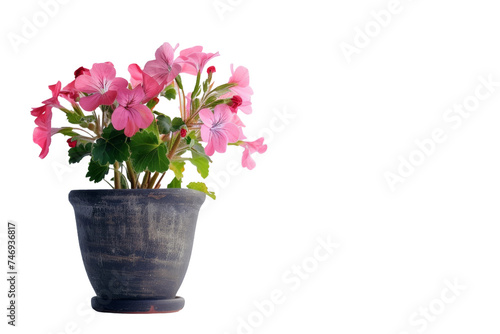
<point x="91" y="102"/>
<point x="207" y="117"/>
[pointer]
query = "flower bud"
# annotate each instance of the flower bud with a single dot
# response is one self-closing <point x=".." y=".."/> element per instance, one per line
<point x="71" y="143"/>
<point x="211" y="70"/>
<point x="236" y="101"/>
<point x="81" y="71"/>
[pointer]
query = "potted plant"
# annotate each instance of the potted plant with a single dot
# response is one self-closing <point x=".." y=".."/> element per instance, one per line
<point x="136" y="238"/>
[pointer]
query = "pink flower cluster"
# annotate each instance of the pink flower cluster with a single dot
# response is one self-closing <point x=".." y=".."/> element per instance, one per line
<point x="128" y="101"/>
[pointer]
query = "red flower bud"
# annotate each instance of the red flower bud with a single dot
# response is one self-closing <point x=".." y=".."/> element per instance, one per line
<point x="71" y="143"/>
<point x="183" y="132"/>
<point x="211" y="70"/>
<point x="81" y="71"/>
<point x="236" y="101"/>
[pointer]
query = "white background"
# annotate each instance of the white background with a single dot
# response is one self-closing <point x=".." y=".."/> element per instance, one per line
<point x="345" y="126"/>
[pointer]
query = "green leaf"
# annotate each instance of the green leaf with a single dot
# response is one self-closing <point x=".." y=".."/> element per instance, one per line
<point x="200" y="186"/>
<point x="195" y="104"/>
<point x="201" y="164"/>
<point x="151" y="103"/>
<point x="223" y="89"/>
<point x="200" y="150"/>
<point x="111" y="147"/>
<point x="196" y="90"/>
<point x="177" y="167"/>
<point x="216" y="102"/>
<point x="68" y="132"/>
<point x="148" y="153"/>
<point x="175" y="183"/>
<point x="153" y="128"/>
<point x="179" y="81"/>
<point x="77" y="153"/>
<point x="177" y="123"/>
<point x="96" y="171"/>
<point x="169" y="92"/>
<point x="164" y="124"/>
<point x="201" y="161"/>
<point x="75" y="118"/>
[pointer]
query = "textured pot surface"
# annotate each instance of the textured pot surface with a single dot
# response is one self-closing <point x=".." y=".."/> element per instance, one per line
<point x="136" y="244"/>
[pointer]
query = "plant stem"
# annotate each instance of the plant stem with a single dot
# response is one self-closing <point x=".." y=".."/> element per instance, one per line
<point x="131" y="174"/>
<point x="117" y="175"/>
<point x="174" y="147"/>
<point x="182" y="103"/>
<point x="145" y="180"/>
<point x="153" y="180"/>
<point x="159" y="181"/>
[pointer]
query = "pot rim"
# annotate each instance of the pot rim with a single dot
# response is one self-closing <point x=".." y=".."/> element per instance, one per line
<point x="162" y="193"/>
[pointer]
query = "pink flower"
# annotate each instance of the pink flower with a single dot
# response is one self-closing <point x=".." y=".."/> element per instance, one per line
<point x="163" y="69"/>
<point x="43" y="132"/>
<point x="240" y="125"/>
<point x="218" y="128"/>
<point x="40" y="110"/>
<point x="101" y="84"/>
<point x="54" y="100"/>
<point x="70" y="93"/>
<point x="242" y="79"/>
<point x="131" y="115"/>
<point x="194" y="61"/>
<point x="250" y="148"/>
<point x="135" y="75"/>
<point x="150" y="86"/>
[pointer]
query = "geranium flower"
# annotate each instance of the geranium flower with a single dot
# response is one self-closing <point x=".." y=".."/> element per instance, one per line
<point x="135" y="75"/>
<point x="150" y="86"/>
<point x="242" y="79"/>
<point x="163" y="69"/>
<point x="54" y="100"/>
<point x="218" y="128"/>
<point x="42" y="135"/>
<point x="250" y="148"/>
<point x="194" y="60"/>
<point x="70" y="93"/>
<point x="131" y="114"/>
<point x="40" y="110"/>
<point x="101" y="84"/>
<point x="240" y="125"/>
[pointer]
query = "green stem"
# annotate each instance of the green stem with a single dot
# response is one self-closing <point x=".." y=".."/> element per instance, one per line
<point x="131" y="175"/>
<point x="174" y="147"/>
<point x="145" y="180"/>
<point x="153" y="180"/>
<point x="117" y="175"/>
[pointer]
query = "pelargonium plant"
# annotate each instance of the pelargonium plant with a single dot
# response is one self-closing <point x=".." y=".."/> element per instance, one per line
<point x="116" y="124"/>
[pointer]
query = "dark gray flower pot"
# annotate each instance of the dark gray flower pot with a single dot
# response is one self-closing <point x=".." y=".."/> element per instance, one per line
<point x="136" y="245"/>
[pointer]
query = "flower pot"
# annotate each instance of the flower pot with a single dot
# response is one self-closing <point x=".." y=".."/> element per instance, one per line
<point x="136" y="245"/>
